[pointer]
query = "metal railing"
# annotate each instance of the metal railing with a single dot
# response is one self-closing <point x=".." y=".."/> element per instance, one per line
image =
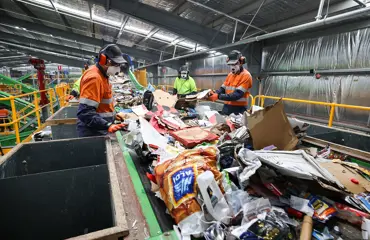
<point x="11" y="89"/>
<point x="54" y="95"/>
<point x="332" y="106"/>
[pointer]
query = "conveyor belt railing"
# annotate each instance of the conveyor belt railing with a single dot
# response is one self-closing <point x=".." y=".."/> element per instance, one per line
<point x="261" y="102"/>
<point x="54" y="95"/>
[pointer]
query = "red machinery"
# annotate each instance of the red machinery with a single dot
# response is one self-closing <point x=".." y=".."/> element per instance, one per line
<point x="40" y="66"/>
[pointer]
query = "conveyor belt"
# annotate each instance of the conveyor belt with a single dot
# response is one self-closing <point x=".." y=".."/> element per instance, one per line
<point x="165" y="220"/>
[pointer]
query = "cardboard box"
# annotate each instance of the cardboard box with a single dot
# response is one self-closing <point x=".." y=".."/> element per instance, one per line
<point x="270" y="126"/>
<point x="344" y="174"/>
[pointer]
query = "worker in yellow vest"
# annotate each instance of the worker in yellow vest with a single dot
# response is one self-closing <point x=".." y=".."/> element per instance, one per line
<point x="184" y="84"/>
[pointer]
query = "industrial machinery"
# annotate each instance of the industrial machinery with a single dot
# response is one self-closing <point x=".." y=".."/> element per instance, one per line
<point x="39" y="65"/>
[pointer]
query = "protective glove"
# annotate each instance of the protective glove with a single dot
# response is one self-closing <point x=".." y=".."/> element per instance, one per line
<point x="115" y="127"/>
<point x="69" y="97"/>
<point x="213" y="97"/>
<point x="120" y="116"/>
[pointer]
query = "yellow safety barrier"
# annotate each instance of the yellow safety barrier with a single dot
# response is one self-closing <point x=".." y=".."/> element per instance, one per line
<point x="11" y="89"/>
<point x="61" y="92"/>
<point x="331" y="105"/>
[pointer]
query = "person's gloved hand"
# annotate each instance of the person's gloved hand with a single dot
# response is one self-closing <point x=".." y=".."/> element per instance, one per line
<point x="115" y="127"/>
<point x="69" y="97"/>
<point x="120" y="116"/>
<point x="213" y="97"/>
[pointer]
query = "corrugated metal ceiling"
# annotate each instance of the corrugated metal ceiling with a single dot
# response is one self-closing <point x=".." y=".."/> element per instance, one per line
<point x="107" y="24"/>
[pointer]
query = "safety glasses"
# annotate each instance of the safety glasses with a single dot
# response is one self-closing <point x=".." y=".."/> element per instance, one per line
<point x="113" y="63"/>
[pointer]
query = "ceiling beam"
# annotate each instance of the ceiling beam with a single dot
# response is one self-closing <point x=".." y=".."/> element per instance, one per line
<point x="17" y="62"/>
<point x="9" y="53"/>
<point x="13" y="58"/>
<point x="62" y="17"/>
<point x="27" y="11"/>
<point x="150" y="34"/>
<point x="181" y="7"/>
<point x="41" y="44"/>
<point x="334" y="9"/>
<point x="137" y="53"/>
<point x="49" y="57"/>
<point x="107" y="5"/>
<point x="250" y="6"/>
<point x="124" y="21"/>
<point x="92" y="25"/>
<point x="167" y="21"/>
<point x="237" y="20"/>
<point x="13" y="64"/>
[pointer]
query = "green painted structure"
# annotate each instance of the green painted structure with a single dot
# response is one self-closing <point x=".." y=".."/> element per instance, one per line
<point x="25" y="88"/>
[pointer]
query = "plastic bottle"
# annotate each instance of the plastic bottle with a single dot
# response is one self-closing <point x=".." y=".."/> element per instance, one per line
<point x="213" y="198"/>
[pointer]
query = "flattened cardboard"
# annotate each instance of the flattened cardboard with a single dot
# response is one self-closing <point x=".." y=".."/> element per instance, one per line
<point x="345" y="174"/>
<point x="191" y="137"/>
<point x="270" y="126"/>
<point x="164" y="98"/>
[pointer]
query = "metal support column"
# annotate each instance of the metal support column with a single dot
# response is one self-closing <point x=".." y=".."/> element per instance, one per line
<point x="319" y="12"/>
<point x="360" y="2"/>
<point x="174" y="51"/>
<point x="235" y="28"/>
<point x="160" y="56"/>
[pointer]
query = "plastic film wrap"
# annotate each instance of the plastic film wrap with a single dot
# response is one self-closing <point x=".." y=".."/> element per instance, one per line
<point x="344" y="89"/>
<point x="339" y="51"/>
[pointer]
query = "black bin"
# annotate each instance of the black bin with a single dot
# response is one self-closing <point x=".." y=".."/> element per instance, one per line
<point x="61" y="189"/>
<point x="63" y="123"/>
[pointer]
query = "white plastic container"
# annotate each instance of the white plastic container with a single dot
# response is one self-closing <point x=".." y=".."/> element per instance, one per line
<point x="213" y="198"/>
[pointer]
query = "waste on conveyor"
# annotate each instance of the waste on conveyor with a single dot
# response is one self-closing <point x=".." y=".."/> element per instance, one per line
<point x="245" y="176"/>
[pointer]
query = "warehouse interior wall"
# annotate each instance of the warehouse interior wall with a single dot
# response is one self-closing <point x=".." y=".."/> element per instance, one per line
<point x="341" y="59"/>
<point x="211" y="71"/>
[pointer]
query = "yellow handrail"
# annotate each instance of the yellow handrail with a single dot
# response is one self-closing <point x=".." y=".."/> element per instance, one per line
<point x="61" y="91"/>
<point x="331" y="105"/>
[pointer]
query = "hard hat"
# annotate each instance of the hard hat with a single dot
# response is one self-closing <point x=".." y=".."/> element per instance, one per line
<point x="234" y="57"/>
<point x="112" y="52"/>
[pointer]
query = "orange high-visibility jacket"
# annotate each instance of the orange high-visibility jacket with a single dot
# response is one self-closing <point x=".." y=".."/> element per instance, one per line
<point x="241" y="81"/>
<point x="96" y="91"/>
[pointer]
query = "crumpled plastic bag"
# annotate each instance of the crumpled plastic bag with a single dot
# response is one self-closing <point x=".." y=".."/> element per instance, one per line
<point x="252" y="163"/>
<point x="177" y="180"/>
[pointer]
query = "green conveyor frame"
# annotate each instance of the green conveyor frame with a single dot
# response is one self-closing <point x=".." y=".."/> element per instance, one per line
<point x="9" y="81"/>
<point x="19" y="103"/>
<point x="10" y="140"/>
<point x="137" y="85"/>
<point x="24" y="77"/>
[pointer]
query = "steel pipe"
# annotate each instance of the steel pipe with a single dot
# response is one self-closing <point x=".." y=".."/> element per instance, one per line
<point x="361" y="3"/>
<point x="319" y="12"/>
<point x="295" y="29"/>
<point x="12" y="57"/>
<point x="226" y="15"/>
<point x="335" y="71"/>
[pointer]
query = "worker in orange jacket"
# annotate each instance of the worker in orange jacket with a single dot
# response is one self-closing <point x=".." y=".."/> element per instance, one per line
<point x="96" y="111"/>
<point x="235" y="90"/>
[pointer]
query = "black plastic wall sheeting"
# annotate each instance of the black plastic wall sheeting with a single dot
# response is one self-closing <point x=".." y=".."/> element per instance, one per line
<point x="54" y="155"/>
<point x="55" y="205"/>
<point x="335" y="135"/>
